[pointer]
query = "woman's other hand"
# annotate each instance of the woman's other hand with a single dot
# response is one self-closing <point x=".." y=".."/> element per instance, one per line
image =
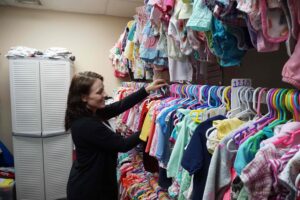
<point x="156" y="84"/>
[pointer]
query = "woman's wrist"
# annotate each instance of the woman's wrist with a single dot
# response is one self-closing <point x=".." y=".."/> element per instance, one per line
<point x="148" y="90"/>
<point x="155" y="85"/>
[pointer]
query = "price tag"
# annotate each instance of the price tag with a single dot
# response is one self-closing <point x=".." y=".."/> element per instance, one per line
<point x="240" y="82"/>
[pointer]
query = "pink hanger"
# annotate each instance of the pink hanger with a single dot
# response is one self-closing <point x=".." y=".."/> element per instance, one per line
<point x="288" y="139"/>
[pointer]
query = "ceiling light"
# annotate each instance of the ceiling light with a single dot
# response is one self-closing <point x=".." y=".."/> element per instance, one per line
<point x="30" y="2"/>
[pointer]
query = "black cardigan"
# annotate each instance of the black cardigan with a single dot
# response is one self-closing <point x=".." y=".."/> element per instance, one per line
<point x="93" y="174"/>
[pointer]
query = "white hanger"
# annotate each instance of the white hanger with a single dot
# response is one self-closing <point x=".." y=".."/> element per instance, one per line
<point x="232" y="112"/>
<point x="246" y="98"/>
<point x="254" y="102"/>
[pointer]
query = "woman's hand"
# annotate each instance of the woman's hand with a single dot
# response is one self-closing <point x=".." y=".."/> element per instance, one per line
<point x="156" y="84"/>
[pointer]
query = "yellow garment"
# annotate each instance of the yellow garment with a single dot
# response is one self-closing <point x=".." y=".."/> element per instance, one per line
<point x="128" y="52"/>
<point x="186" y="1"/>
<point x="186" y="10"/>
<point x="147" y="122"/>
<point x="129" y="24"/>
<point x="226" y="126"/>
<point x="6" y="182"/>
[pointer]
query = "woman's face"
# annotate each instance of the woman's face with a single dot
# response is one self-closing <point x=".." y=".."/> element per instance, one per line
<point x="95" y="100"/>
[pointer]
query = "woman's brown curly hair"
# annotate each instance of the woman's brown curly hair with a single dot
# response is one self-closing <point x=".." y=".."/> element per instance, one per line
<point x="80" y="85"/>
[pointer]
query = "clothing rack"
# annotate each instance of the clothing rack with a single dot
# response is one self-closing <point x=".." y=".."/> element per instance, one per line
<point x="226" y="129"/>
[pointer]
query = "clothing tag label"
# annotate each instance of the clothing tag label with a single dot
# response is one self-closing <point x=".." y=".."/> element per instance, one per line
<point x="236" y="84"/>
<point x="240" y="82"/>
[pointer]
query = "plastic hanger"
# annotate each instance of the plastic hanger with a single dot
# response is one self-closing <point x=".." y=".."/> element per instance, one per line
<point x="256" y="106"/>
<point x="203" y="93"/>
<point x="234" y="138"/>
<point x="211" y="108"/>
<point x="246" y="98"/>
<point x="248" y="131"/>
<point x="221" y="94"/>
<point x="216" y="107"/>
<point x="225" y="97"/>
<point x="192" y="96"/>
<point x="268" y="115"/>
<point x="195" y="114"/>
<point x="296" y="105"/>
<point x="196" y="101"/>
<point x="254" y="102"/>
<point x="241" y="101"/>
<point x="181" y="91"/>
<point x="289" y="103"/>
<point x="280" y="105"/>
<point x="232" y="112"/>
<point x="272" y="114"/>
<point x="208" y="132"/>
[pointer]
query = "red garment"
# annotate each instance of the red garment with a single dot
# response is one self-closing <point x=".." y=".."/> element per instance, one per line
<point x="228" y="192"/>
<point x="144" y="111"/>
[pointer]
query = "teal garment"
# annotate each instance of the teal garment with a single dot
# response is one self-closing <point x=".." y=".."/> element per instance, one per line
<point x="178" y="126"/>
<point x="249" y="148"/>
<point x="201" y="17"/>
<point x="225" y="45"/>
<point x="175" y="131"/>
<point x="181" y="141"/>
<point x="173" y="190"/>
<point x="243" y="194"/>
<point x="184" y="129"/>
<point x="131" y="32"/>
<point x="224" y="2"/>
<point x="185" y="184"/>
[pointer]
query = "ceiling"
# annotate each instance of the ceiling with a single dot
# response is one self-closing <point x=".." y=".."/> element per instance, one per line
<point x="120" y="8"/>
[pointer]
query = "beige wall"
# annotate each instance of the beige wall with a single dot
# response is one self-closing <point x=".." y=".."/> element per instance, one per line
<point x="89" y="37"/>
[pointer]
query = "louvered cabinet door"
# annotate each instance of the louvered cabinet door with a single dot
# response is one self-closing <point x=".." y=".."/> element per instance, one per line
<point x="55" y="80"/>
<point x="25" y="97"/>
<point x="29" y="168"/>
<point x="57" y="165"/>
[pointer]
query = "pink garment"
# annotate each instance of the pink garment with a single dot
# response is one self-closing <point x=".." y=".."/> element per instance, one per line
<point x="168" y="5"/>
<point x="142" y="18"/>
<point x="125" y="117"/>
<point x="156" y="15"/>
<point x="257" y="176"/>
<point x="131" y="117"/>
<point x="291" y="69"/>
<point x="277" y="165"/>
<point x="265" y="46"/>
<point x="274" y="25"/>
<point x="154" y="142"/>
<point x="227" y="195"/>
<point x="156" y="2"/>
<point x="150" y="42"/>
<point x="285" y="129"/>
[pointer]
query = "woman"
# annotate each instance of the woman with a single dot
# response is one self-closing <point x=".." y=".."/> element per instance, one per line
<point x="93" y="174"/>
